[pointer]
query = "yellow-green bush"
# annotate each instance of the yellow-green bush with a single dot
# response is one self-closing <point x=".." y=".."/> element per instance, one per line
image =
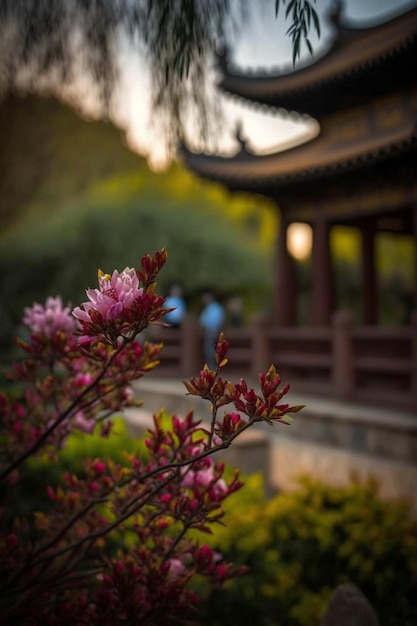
<point x="38" y="473"/>
<point x="300" y="545"/>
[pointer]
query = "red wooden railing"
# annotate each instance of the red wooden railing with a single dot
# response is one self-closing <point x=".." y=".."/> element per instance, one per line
<point x="370" y="364"/>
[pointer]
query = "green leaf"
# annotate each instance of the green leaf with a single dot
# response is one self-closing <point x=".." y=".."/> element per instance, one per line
<point x="296" y="47"/>
<point x="277" y="7"/>
<point x="316" y="22"/>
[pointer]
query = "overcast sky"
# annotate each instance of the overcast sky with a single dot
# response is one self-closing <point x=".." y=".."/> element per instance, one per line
<point x="261" y="44"/>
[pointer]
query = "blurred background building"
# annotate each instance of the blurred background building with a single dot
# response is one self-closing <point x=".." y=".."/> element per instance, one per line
<point x="357" y="172"/>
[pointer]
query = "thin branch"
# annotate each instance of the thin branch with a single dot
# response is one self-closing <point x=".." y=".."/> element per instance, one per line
<point x="35" y="447"/>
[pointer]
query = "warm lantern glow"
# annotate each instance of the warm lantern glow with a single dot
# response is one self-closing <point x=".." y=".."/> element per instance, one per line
<point x="299" y="240"/>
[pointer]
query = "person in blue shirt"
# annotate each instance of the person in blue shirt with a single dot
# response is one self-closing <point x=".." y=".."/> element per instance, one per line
<point x="176" y="301"/>
<point x="211" y="320"/>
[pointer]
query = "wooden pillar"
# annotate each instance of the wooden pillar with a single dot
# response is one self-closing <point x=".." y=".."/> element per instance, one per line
<point x="369" y="278"/>
<point x="413" y="320"/>
<point x="285" y="308"/>
<point x="414" y="217"/>
<point x="191" y="360"/>
<point x="414" y="357"/>
<point x="322" y="296"/>
<point x="343" y="372"/>
<point x="260" y="359"/>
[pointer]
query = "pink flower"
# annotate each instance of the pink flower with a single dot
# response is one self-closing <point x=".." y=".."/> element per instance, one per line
<point x="99" y="467"/>
<point x="115" y="293"/>
<point x="82" y="379"/>
<point x="176" y="569"/>
<point x="205" y="478"/>
<point x="82" y="423"/>
<point x="49" y="319"/>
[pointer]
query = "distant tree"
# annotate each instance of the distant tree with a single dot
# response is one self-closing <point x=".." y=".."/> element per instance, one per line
<point x="178" y="39"/>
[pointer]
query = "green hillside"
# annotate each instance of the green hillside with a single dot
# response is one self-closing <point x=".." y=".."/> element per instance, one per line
<point x="51" y="157"/>
<point x="48" y="154"/>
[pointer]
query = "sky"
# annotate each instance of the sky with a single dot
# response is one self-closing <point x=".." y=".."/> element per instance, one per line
<point x="261" y="44"/>
<point x="268" y="131"/>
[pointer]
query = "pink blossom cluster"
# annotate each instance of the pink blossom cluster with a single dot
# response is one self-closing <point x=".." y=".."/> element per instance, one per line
<point x="115" y="293"/>
<point x="50" y="318"/>
<point x="202" y="474"/>
<point x="120" y="308"/>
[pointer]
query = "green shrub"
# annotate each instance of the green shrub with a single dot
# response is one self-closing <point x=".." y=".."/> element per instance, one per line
<point x="301" y="545"/>
<point x="38" y="473"/>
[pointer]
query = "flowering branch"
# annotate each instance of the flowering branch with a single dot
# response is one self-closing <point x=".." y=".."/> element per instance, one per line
<point x="59" y="564"/>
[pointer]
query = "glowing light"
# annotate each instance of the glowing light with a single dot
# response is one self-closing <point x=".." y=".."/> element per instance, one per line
<point x="299" y="240"/>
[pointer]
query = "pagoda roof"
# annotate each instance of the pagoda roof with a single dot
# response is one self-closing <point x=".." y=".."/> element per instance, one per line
<point x="360" y="62"/>
<point x="311" y="160"/>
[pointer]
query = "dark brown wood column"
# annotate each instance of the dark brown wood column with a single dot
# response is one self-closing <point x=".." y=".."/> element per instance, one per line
<point x="369" y="277"/>
<point x="322" y="295"/>
<point x="285" y="309"/>
<point x="415" y="256"/>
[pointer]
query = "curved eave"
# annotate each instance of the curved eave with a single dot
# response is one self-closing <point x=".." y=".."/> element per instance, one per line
<point x="308" y="161"/>
<point x="353" y="51"/>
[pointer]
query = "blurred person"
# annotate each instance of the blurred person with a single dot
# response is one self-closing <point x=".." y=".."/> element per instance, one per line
<point x="175" y="300"/>
<point x="211" y="320"/>
<point x="235" y="311"/>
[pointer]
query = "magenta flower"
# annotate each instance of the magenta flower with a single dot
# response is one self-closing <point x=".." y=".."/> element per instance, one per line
<point x="82" y="423"/>
<point x="115" y="293"/>
<point x="49" y="319"/>
<point x="176" y="569"/>
<point x="205" y="478"/>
